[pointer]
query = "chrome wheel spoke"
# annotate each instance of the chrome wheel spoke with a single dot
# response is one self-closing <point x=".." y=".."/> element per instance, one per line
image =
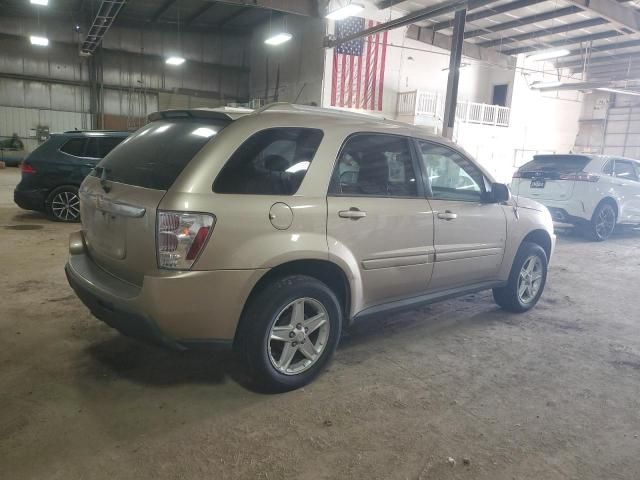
<point x="287" y="355"/>
<point x="281" y="333"/>
<point x="314" y="323"/>
<point x="308" y="350"/>
<point x="297" y="314"/>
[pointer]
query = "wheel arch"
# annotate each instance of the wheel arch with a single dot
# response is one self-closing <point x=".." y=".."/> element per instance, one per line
<point x="613" y="202"/>
<point x="540" y="237"/>
<point x="325" y="271"/>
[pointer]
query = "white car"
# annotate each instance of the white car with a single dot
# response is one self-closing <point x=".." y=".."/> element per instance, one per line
<point x="595" y="192"/>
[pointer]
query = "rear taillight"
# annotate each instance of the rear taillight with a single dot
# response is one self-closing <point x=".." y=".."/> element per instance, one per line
<point x="181" y="237"/>
<point x="27" y="168"/>
<point x="579" y="177"/>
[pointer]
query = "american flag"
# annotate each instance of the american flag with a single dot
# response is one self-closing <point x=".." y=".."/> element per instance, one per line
<point x="358" y="66"/>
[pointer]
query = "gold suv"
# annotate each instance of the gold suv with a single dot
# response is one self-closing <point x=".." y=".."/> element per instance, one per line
<point x="271" y="231"/>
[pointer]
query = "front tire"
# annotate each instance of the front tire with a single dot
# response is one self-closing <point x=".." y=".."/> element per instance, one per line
<point x="526" y="281"/>
<point x="63" y="204"/>
<point x="603" y="222"/>
<point x="289" y="332"/>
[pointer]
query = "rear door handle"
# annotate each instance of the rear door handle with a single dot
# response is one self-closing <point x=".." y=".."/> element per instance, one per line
<point x="353" y="213"/>
<point x="447" y="215"/>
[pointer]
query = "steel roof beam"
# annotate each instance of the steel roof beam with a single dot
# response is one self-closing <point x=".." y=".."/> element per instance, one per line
<point x="596" y="60"/>
<point x="565" y="42"/>
<point x="538" y="17"/>
<point x="606" y="48"/>
<point x="488" y="12"/>
<point x="306" y="8"/>
<point x="107" y="13"/>
<point x="162" y="10"/>
<point x="432" y="11"/>
<point x="545" y="32"/>
<point x="615" y="12"/>
<point x="200" y="11"/>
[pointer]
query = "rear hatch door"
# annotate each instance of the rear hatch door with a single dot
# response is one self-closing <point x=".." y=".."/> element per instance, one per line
<point x="548" y="177"/>
<point x="120" y="197"/>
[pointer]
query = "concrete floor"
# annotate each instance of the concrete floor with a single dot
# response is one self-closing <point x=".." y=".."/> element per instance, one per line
<point x="551" y="394"/>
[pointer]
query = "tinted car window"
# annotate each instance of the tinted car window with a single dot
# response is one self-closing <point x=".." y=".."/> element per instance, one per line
<point x="270" y="162"/>
<point x="155" y="155"/>
<point x="375" y="165"/>
<point x="452" y="176"/>
<point x="106" y="144"/>
<point x="74" y="146"/>
<point x="625" y="169"/>
<point x="92" y="149"/>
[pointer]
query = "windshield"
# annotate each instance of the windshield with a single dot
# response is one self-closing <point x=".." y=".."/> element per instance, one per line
<point x="156" y="154"/>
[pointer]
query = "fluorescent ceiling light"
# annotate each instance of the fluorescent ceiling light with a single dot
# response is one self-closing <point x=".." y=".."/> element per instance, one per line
<point x="40" y="41"/>
<point x="175" y="61"/>
<point x="539" y="85"/>
<point x="548" y="55"/>
<point x="616" y="90"/>
<point x="44" y="3"/>
<point x="346" y="11"/>
<point x="204" y="132"/>
<point x="278" y="38"/>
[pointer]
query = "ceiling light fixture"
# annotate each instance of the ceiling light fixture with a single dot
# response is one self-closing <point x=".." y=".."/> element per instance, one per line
<point x="43" y="3"/>
<point x="616" y="90"/>
<point x="344" y="12"/>
<point x="278" y="38"/>
<point x="548" y="55"/>
<point x="174" y="61"/>
<point x="40" y="41"/>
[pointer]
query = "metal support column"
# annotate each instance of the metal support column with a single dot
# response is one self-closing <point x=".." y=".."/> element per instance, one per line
<point x="455" y="59"/>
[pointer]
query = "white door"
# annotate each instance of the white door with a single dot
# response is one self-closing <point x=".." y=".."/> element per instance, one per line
<point x="626" y="181"/>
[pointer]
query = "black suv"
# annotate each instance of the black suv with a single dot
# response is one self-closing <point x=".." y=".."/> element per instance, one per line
<point x="52" y="173"/>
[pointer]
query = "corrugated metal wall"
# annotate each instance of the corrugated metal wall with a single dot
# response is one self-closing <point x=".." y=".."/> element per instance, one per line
<point x="56" y="79"/>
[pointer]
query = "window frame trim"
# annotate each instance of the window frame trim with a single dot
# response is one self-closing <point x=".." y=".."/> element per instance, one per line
<point x="421" y="191"/>
<point x="485" y="182"/>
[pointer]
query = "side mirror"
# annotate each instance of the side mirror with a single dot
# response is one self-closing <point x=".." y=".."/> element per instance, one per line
<point x="500" y="193"/>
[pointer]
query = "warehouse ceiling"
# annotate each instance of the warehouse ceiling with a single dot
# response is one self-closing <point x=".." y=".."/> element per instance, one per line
<point x="197" y="15"/>
<point x="603" y="37"/>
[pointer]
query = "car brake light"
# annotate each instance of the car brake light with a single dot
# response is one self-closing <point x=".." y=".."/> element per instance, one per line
<point x="27" y="168"/>
<point x="181" y="237"/>
<point x="580" y="177"/>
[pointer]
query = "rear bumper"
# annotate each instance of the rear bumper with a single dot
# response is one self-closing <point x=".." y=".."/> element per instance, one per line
<point x="568" y="211"/>
<point x="178" y="310"/>
<point x="30" y="199"/>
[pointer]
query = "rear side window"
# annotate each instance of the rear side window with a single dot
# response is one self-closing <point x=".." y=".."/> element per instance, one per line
<point x="625" y="169"/>
<point x="375" y="165"/>
<point x="552" y="166"/>
<point x="270" y="162"/>
<point x="74" y="146"/>
<point x="155" y="155"/>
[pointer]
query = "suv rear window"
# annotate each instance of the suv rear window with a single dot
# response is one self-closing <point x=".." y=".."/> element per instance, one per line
<point x="74" y="146"/>
<point x="270" y="162"/>
<point x="553" y="165"/>
<point x="155" y="155"/>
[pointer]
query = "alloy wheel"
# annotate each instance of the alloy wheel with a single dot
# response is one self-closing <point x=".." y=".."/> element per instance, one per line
<point x="66" y="206"/>
<point x="605" y="222"/>
<point x="298" y="336"/>
<point x="530" y="279"/>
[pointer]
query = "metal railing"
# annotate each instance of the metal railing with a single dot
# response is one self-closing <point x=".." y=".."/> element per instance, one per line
<point x="431" y="104"/>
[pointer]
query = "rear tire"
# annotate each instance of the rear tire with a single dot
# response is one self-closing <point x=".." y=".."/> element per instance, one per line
<point x="63" y="204"/>
<point x="603" y="222"/>
<point x="526" y="281"/>
<point x="289" y="332"/>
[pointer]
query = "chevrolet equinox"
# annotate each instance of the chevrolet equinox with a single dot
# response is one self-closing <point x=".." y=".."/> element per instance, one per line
<point x="271" y="231"/>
